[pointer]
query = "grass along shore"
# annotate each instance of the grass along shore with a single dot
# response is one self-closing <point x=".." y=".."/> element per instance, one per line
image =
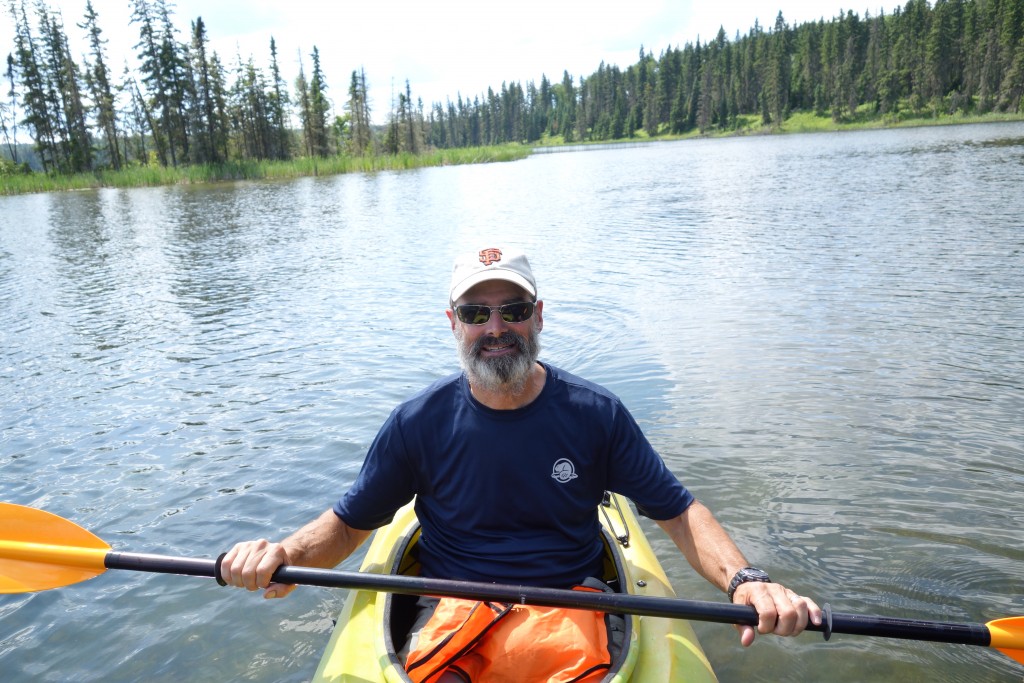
<point x="805" y="122"/>
<point x="149" y="176"/>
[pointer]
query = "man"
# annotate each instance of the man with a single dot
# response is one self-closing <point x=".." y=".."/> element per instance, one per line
<point x="508" y="461"/>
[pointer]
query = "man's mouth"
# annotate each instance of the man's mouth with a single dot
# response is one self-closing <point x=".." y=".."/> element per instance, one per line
<point x="499" y="362"/>
<point x="498" y="345"/>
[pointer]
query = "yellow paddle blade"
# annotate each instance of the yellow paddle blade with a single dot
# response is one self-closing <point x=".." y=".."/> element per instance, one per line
<point x="1008" y="636"/>
<point x="39" y="551"/>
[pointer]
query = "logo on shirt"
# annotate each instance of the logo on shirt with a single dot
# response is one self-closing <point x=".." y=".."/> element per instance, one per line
<point x="563" y="471"/>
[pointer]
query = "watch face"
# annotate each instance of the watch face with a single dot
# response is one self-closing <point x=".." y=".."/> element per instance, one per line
<point x="754" y="575"/>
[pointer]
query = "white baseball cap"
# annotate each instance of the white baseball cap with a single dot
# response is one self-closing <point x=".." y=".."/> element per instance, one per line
<point x="491" y="264"/>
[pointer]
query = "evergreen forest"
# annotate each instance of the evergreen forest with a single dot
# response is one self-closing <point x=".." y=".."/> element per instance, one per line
<point x="184" y="105"/>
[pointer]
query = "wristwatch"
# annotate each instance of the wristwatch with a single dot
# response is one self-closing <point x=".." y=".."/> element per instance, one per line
<point x="743" y="576"/>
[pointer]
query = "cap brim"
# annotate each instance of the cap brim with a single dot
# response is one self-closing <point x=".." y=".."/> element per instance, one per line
<point x="506" y="275"/>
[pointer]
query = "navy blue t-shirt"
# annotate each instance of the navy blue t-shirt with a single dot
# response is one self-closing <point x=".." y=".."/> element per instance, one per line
<point x="510" y="496"/>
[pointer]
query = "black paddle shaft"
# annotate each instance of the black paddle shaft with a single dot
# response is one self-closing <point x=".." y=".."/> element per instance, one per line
<point x="673" y="608"/>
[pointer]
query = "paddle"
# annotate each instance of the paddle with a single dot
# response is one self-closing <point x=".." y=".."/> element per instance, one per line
<point x="70" y="554"/>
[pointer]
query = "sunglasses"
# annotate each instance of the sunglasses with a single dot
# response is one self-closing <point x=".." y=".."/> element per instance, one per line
<point x="476" y="314"/>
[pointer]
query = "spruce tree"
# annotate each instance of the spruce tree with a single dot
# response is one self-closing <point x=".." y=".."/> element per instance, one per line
<point x="305" y="110"/>
<point x="202" y="111"/>
<point x="360" y="133"/>
<point x="35" y="104"/>
<point x="280" y="146"/>
<point x="8" y="113"/>
<point x="100" y="87"/>
<point x="153" y="77"/>
<point x="65" y="77"/>
<point x="319" y="108"/>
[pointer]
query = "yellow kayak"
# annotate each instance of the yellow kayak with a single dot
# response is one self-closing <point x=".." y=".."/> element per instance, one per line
<point x="659" y="649"/>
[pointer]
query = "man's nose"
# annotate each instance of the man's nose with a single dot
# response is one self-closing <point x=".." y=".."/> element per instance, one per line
<point x="495" y="324"/>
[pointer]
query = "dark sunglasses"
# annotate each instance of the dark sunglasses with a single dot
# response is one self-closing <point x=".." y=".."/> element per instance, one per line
<point x="476" y="314"/>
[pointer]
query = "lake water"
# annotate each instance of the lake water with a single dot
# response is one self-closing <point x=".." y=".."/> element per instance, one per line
<point x="822" y="334"/>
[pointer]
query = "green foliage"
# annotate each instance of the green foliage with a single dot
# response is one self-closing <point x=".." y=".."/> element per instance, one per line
<point x="183" y="109"/>
<point x="919" y="61"/>
<point x="9" y="168"/>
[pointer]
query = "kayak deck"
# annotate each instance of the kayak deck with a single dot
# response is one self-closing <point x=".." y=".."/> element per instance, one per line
<point x="657" y="649"/>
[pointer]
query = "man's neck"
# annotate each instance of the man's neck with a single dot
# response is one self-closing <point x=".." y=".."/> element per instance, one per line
<point x="510" y="400"/>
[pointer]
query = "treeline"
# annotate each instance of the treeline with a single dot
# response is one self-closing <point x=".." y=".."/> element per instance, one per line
<point x="182" y="107"/>
<point x="956" y="56"/>
<point x="185" y="106"/>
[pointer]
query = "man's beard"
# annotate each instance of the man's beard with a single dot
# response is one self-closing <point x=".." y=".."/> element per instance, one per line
<point x="506" y="373"/>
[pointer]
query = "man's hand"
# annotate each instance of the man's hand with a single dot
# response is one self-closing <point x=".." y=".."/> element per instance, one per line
<point x="324" y="542"/>
<point x="779" y="610"/>
<point x="251" y="565"/>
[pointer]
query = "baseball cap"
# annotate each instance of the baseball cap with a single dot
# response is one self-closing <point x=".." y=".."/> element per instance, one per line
<point x="491" y="264"/>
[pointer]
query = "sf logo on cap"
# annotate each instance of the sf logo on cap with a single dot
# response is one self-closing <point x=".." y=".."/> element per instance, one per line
<point x="489" y="256"/>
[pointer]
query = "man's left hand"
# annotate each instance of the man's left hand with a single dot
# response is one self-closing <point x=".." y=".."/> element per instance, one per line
<point x="779" y="610"/>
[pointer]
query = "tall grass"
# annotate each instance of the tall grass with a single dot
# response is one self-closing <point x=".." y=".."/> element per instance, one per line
<point x="863" y="119"/>
<point x="146" y="176"/>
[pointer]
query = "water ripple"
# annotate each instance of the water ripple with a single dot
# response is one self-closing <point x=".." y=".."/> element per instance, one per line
<point x="821" y="339"/>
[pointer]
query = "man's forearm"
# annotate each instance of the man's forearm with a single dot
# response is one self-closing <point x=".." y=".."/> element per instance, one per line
<point x="324" y="542"/>
<point x="706" y="545"/>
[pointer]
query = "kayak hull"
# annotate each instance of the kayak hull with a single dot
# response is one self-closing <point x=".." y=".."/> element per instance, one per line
<point x="658" y="649"/>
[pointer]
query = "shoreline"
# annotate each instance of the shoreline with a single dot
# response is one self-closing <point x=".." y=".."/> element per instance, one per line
<point x="155" y="176"/>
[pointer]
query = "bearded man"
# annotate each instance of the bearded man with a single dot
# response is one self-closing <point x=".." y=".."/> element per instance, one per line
<point x="508" y="461"/>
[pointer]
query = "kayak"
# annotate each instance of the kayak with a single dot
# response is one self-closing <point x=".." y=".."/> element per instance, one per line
<point x="362" y="647"/>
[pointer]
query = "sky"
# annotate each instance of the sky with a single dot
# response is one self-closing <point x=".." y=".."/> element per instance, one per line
<point x="443" y="47"/>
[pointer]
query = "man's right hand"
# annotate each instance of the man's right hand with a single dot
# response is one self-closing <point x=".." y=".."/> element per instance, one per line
<point x="251" y="564"/>
<point x="324" y="542"/>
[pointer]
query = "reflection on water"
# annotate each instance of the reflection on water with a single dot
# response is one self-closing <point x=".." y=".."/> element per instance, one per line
<point x="820" y="333"/>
